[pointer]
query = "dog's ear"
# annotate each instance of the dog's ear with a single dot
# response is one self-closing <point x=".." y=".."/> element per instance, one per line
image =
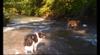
<point x="68" y="20"/>
<point x="78" y="21"/>
<point x="26" y="37"/>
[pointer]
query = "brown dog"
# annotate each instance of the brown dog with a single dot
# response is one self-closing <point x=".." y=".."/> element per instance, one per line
<point x="73" y="24"/>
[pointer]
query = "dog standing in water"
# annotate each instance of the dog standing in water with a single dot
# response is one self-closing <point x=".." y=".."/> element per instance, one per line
<point x="31" y="41"/>
<point x="72" y="24"/>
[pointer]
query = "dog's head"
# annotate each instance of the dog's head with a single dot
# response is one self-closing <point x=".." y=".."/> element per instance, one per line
<point x="29" y="39"/>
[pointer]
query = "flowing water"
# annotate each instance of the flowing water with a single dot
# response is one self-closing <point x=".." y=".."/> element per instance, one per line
<point x="58" y="41"/>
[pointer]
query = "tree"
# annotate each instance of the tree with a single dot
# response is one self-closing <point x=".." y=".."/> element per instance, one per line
<point x="55" y="8"/>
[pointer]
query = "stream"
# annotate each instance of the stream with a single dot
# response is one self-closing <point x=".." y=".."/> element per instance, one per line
<point x="62" y="41"/>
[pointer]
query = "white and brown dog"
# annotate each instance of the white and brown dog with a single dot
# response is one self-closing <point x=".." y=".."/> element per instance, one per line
<point x="31" y="41"/>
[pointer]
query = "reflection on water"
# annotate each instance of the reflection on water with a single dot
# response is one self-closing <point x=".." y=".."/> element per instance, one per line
<point x="62" y="41"/>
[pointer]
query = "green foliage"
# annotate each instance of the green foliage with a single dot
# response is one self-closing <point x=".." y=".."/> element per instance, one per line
<point x="45" y="8"/>
<point x="42" y="7"/>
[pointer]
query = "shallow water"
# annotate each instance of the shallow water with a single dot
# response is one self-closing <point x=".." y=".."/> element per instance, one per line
<point x="62" y="41"/>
